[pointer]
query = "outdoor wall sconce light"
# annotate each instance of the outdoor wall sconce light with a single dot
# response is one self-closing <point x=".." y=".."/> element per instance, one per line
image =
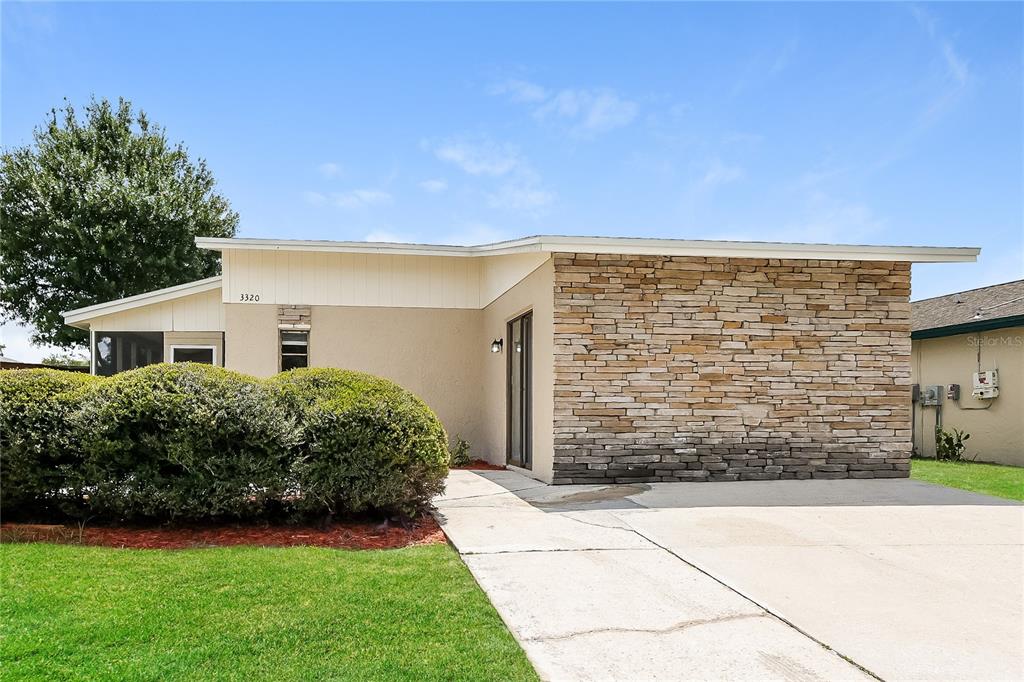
<point x="496" y="345"/>
<point x="519" y="347"/>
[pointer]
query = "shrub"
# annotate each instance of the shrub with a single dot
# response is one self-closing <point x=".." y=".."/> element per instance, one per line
<point x="40" y="451"/>
<point x="368" y="443"/>
<point x="950" y="445"/>
<point x="459" y="455"/>
<point x="184" y="441"/>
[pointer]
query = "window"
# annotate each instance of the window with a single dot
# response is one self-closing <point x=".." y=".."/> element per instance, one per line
<point x="206" y="355"/>
<point x="294" y="350"/>
<point x="115" y="352"/>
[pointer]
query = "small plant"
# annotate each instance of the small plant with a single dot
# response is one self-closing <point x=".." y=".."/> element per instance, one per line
<point x="458" y="456"/>
<point x="950" y="445"/>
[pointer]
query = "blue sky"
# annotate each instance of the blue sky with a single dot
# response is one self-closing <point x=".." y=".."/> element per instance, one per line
<point x="461" y="123"/>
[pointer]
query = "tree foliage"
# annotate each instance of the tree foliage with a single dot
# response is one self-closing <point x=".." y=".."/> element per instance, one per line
<point x="100" y="209"/>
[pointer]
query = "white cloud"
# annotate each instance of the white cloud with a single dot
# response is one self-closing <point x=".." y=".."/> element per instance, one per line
<point x="329" y="169"/>
<point x="831" y="220"/>
<point x="587" y="112"/>
<point x="519" y="91"/>
<point x="784" y="57"/>
<point x="521" y="196"/>
<point x="479" y="155"/>
<point x="521" y="188"/>
<point x="956" y="67"/>
<point x="434" y="186"/>
<point x="718" y="174"/>
<point x="824" y="219"/>
<point x="17" y="344"/>
<point x="591" y="111"/>
<point x="360" y="198"/>
<point x="314" y="198"/>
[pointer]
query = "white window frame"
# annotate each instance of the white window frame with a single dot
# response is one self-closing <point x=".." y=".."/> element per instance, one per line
<point x="175" y="346"/>
<point x="280" y="342"/>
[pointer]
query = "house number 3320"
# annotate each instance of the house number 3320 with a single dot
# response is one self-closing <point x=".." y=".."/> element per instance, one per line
<point x="250" y="298"/>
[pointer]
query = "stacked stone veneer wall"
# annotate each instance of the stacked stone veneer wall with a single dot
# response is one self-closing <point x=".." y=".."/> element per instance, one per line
<point x="293" y="316"/>
<point x="690" y="368"/>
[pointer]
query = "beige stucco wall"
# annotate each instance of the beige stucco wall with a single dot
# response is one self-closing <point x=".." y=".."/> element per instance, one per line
<point x="441" y="355"/>
<point x="195" y="339"/>
<point x="536" y="293"/>
<point x="435" y="353"/>
<point x="997" y="431"/>
<point x="250" y="337"/>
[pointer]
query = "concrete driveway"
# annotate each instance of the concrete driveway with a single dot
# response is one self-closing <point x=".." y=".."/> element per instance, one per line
<point x="847" y="579"/>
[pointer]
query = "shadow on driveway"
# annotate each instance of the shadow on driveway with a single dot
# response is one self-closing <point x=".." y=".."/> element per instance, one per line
<point x="688" y="495"/>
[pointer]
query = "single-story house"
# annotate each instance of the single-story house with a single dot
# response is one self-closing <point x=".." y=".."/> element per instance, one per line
<point x="576" y="359"/>
<point x="967" y="360"/>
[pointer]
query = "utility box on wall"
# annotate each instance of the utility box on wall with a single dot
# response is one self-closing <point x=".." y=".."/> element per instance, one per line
<point x="986" y="384"/>
<point x="932" y="395"/>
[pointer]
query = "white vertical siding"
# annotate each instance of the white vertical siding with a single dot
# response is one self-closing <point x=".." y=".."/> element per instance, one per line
<point x="312" y="278"/>
<point x="202" y="312"/>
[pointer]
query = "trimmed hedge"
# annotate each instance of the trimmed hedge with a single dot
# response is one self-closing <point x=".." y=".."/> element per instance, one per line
<point x="190" y="442"/>
<point x="39" y="447"/>
<point x="184" y="441"/>
<point x="367" y="443"/>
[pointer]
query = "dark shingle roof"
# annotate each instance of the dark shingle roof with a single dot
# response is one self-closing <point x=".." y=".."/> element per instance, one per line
<point x="966" y="307"/>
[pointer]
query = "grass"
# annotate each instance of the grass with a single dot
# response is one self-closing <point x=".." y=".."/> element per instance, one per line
<point x="244" y="613"/>
<point x="990" y="479"/>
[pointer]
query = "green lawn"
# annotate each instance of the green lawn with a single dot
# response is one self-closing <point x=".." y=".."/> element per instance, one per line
<point x="990" y="479"/>
<point x="247" y="613"/>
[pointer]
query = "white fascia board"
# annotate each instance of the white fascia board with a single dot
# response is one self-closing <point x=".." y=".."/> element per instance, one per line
<point x="225" y="244"/>
<point x="79" y="317"/>
<point x="736" y="249"/>
<point x="618" y="245"/>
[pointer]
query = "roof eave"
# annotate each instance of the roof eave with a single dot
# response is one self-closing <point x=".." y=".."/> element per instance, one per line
<point x="616" y="245"/>
<point x="81" y="316"/>
<point x="968" y="327"/>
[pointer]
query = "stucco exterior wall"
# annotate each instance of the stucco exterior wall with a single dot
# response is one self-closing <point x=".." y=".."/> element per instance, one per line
<point x="996" y="426"/>
<point x="251" y="338"/>
<point x="435" y="353"/>
<point x="440" y="354"/>
<point x="534" y="293"/>
<point x="693" y="368"/>
<point x="214" y="339"/>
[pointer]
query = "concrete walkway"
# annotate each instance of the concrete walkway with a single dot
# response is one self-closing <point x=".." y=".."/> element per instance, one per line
<point x="805" y="580"/>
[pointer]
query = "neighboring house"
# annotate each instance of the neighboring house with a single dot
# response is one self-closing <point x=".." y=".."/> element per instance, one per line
<point x="968" y="360"/>
<point x="11" y="363"/>
<point x="576" y="359"/>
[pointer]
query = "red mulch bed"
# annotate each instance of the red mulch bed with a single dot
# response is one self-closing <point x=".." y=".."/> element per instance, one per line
<point x="423" y="531"/>
<point x="479" y="464"/>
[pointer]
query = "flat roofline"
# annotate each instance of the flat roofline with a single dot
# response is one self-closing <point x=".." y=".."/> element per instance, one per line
<point x="79" y="316"/>
<point x="614" y="245"/>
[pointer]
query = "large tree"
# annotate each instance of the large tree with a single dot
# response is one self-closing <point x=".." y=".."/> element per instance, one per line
<point x="99" y="209"/>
